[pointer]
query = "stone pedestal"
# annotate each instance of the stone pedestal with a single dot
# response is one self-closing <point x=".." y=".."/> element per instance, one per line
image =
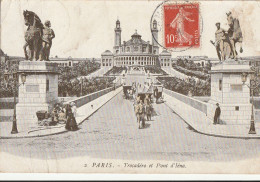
<point x="40" y="91"/>
<point x="228" y="90"/>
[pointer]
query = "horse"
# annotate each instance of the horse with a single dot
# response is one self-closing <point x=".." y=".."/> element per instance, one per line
<point x="234" y="34"/>
<point x="33" y="35"/>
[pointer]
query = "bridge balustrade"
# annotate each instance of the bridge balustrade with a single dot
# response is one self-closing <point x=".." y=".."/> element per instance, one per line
<point x="80" y="101"/>
<point x="199" y="105"/>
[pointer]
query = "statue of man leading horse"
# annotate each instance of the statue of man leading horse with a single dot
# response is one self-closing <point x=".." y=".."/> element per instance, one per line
<point x="38" y="37"/>
<point x="225" y="41"/>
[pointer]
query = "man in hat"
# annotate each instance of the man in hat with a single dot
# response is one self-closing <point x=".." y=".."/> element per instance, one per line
<point x="48" y="35"/>
<point x="217" y="114"/>
<point x="219" y="41"/>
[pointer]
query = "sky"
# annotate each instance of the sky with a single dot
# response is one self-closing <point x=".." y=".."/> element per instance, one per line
<point x="86" y="28"/>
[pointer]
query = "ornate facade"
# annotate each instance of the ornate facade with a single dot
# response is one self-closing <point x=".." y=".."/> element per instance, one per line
<point x="134" y="51"/>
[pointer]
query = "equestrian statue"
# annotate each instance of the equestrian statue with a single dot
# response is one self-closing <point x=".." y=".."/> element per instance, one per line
<point x="38" y="37"/>
<point x="225" y="41"/>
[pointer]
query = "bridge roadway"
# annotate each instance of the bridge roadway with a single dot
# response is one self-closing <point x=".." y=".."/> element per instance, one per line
<point x="112" y="132"/>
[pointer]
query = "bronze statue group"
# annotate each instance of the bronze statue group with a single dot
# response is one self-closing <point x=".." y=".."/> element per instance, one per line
<point x="38" y="37"/>
<point x="225" y="41"/>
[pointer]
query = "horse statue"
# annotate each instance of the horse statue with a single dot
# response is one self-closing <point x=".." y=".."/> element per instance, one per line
<point x="234" y="33"/>
<point x="232" y="37"/>
<point x="33" y="35"/>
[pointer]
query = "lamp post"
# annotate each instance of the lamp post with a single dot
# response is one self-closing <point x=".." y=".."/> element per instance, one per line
<point x="81" y="86"/>
<point x="252" y="86"/>
<point x="114" y="81"/>
<point x="14" y="76"/>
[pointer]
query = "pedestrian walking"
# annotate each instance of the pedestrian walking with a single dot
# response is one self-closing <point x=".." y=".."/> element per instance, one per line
<point x="217" y="114"/>
<point x="136" y="109"/>
<point x="141" y="113"/>
<point x="155" y="93"/>
<point x="147" y="100"/>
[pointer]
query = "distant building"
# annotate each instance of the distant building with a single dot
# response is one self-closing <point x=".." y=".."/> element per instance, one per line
<point x="71" y="61"/>
<point x="3" y="59"/>
<point x="184" y="57"/>
<point x="202" y="60"/>
<point x="135" y="51"/>
<point x="10" y="60"/>
<point x="253" y="59"/>
<point x="165" y="59"/>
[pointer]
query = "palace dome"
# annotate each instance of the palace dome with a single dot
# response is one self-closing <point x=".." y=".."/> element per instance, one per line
<point x="165" y="53"/>
<point x="107" y="53"/>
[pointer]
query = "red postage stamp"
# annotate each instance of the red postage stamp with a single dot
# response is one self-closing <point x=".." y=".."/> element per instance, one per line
<point x="181" y="25"/>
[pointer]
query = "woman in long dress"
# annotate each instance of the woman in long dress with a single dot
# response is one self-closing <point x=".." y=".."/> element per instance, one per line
<point x="178" y="23"/>
<point x="71" y="123"/>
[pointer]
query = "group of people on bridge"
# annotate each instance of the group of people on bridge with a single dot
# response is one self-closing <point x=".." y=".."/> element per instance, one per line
<point x="65" y="114"/>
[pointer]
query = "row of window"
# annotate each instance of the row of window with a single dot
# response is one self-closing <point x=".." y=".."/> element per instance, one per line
<point x="142" y="58"/>
<point x="106" y="60"/>
<point x="165" y="64"/>
<point x="164" y="59"/>
<point x="119" y="63"/>
<point x="132" y="62"/>
<point x="65" y="64"/>
<point x="136" y="49"/>
<point x="106" y="64"/>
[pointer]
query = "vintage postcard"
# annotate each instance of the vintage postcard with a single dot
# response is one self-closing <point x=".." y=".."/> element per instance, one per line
<point x="158" y="87"/>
